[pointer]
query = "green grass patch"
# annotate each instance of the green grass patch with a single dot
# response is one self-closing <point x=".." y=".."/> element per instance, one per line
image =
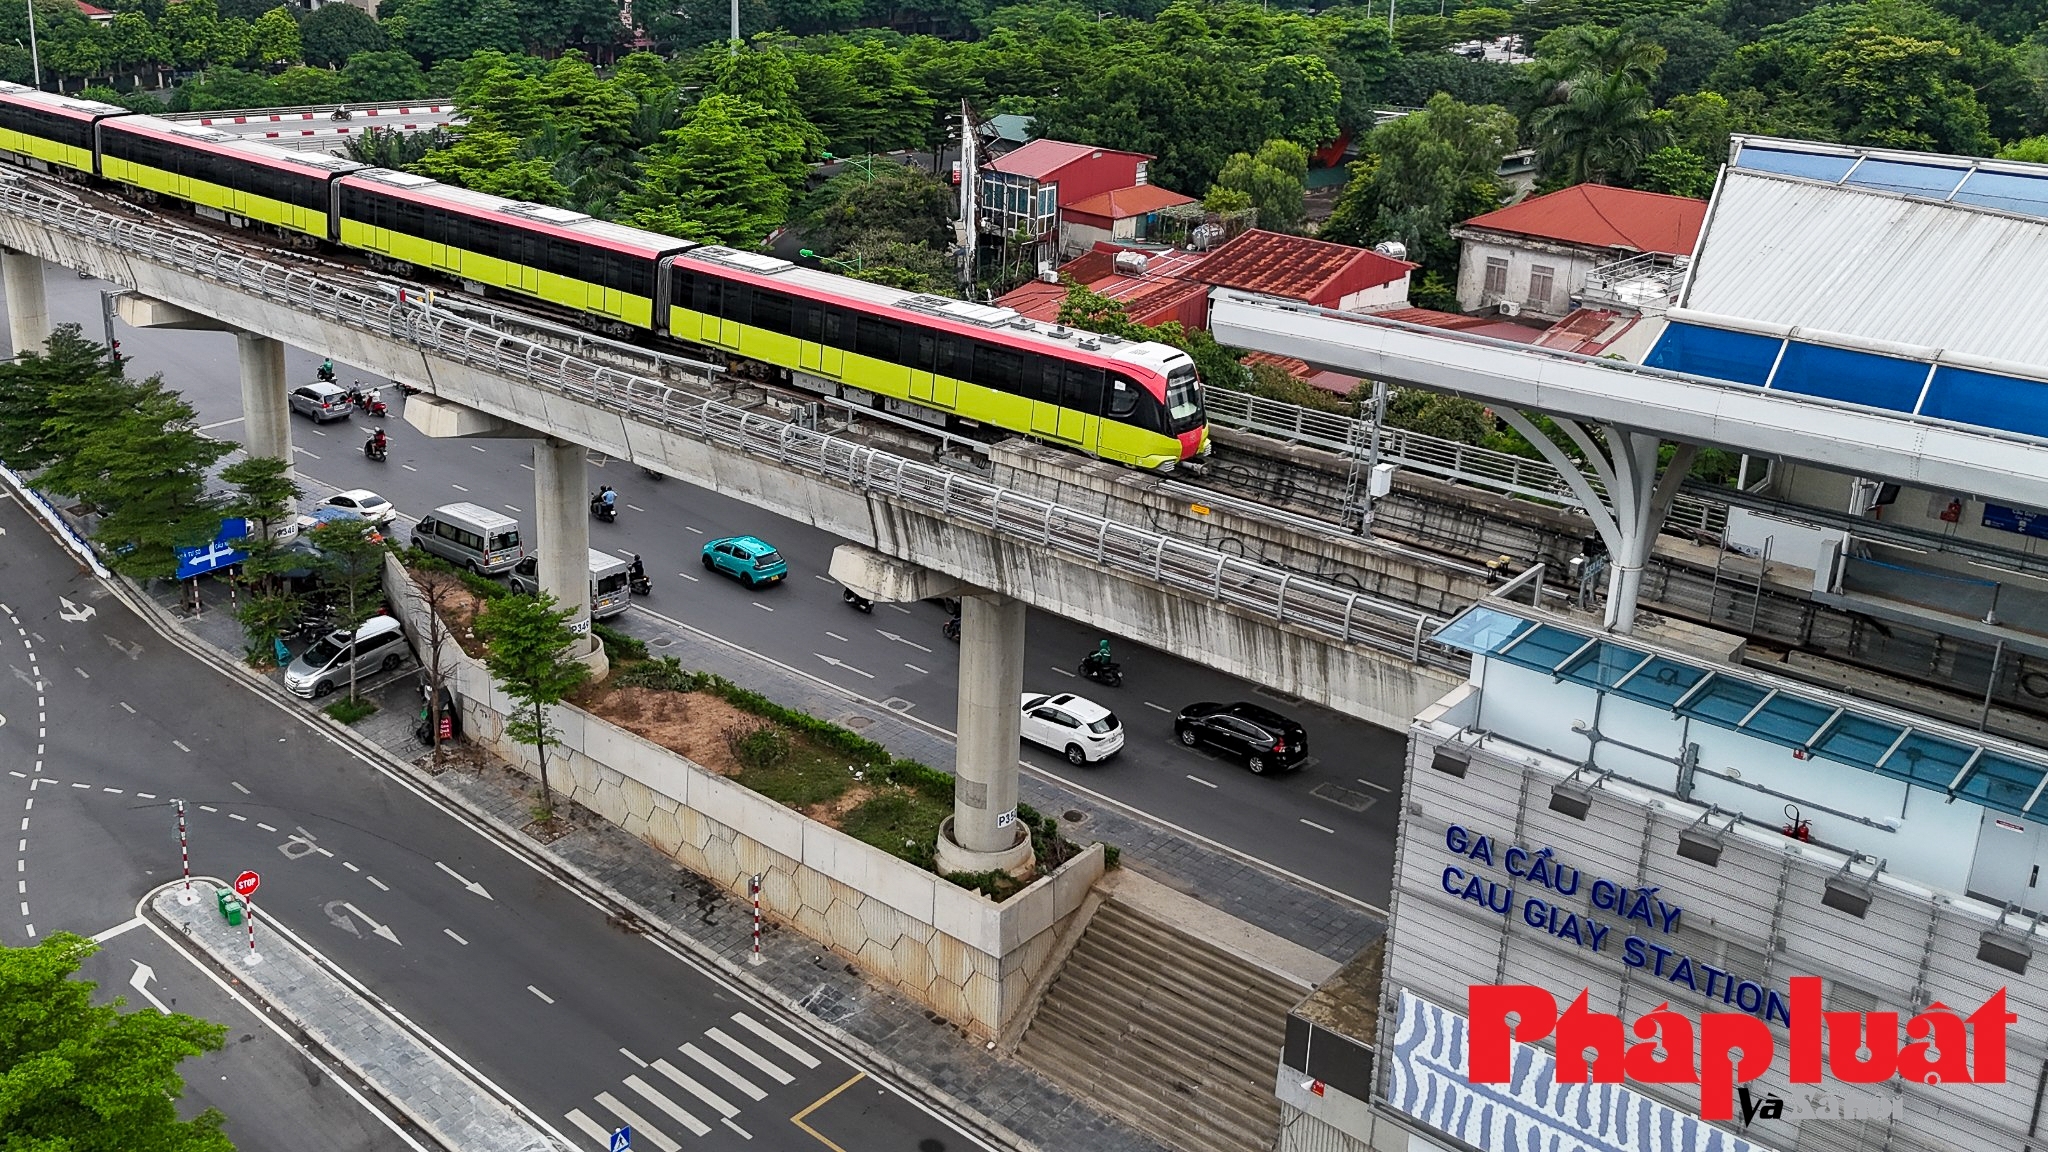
<point x="349" y="711"/>
<point x="902" y="821"/>
<point x="808" y="775"/>
<point x="619" y="648"/>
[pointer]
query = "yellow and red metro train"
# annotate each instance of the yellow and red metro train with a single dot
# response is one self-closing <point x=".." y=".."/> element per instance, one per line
<point x="940" y="360"/>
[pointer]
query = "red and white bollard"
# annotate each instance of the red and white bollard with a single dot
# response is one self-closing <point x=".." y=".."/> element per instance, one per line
<point x="249" y="918"/>
<point x="754" y="889"/>
<point x="187" y="896"/>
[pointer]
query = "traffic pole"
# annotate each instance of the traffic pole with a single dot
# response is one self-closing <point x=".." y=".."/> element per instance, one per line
<point x="185" y="859"/>
<point x="249" y="916"/>
<point x="754" y="889"/>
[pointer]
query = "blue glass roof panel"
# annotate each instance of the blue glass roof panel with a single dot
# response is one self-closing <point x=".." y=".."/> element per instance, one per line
<point x="1662" y="682"/>
<point x="1604" y="664"/>
<point x="1726" y="701"/>
<point x="1810" y="165"/>
<point x="1544" y="649"/>
<point x="1911" y="179"/>
<point x="2001" y="782"/>
<point x="1790" y="720"/>
<point x="2007" y="191"/>
<point x="1990" y="401"/>
<point x="1929" y="760"/>
<point x="1858" y="740"/>
<point x="1701" y="351"/>
<point x="1481" y="630"/>
<point x="1855" y="377"/>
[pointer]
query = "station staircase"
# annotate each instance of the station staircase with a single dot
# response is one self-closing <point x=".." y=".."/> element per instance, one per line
<point x="1174" y="1036"/>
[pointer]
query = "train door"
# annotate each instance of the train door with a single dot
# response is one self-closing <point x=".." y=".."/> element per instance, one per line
<point x="919" y="352"/>
<point x="1080" y="401"/>
<point x="825" y="332"/>
<point x="1043" y="374"/>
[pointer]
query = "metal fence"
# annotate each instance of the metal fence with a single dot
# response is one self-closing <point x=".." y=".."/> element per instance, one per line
<point x="1298" y="602"/>
<point x="1451" y="459"/>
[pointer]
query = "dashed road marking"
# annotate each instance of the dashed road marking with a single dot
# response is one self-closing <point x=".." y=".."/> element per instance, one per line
<point x="350" y="867"/>
<point x="1370" y="784"/>
<point x="1159" y="707"/>
<point x="1199" y="780"/>
<point x="458" y="487"/>
<point x="1318" y="827"/>
<point x="541" y="994"/>
<point x="408" y="467"/>
<point x="238" y="816"/>
<point x="916" y="669"/>
<point x="693" y="528"/>
<point x="382" y="887"/>
<point x="636" y="508"/>
<point x="761" y="606"/>
<point x="81" y="786"/>
<point x="265" y="827"/>
<point x="1063" y="672"/>
<point x="146" y="795"/>
<point x="239" y="787"/>
<point x="130" y="707"/>
<point x="838" y="637"/>
<point x="208" y="808"/>
<point x="687" y="576"/>
<point x="81" y="671"/>
<point x="628" y="1054"/>
<point x="510" y="508"/>
<point x="900" y="608"/>
<point x="450" y="932"/>
<point x="181" y="746"/>
<point x="476" y="448"/>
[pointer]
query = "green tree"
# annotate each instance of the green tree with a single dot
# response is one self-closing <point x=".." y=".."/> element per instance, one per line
<point x="275" y="39"/>
<point x="265" y="496"/>
<point x="334" y="33"/>
<point x="1436" y="414"/>
<point x="897" y="203"/>
<point x="82" y="1077"/>
<point x="1594" y="120"/>
<point x="528" y="652"/>
<point x="352" y="565"/>
<point x="861" y="97"/>
<point x="723" y="177"/>
<point x="1272" y="180"/>
<point x="1676" y="171"/>
<point x="222" y="87"/>
<point x="1898" y="92"/>
<point x="1420" y="174"/>
<point x="306" y="85"/>
<point x="379" y="76"/>
<point x="496" y="163"/>
<point x="451" y="29"/>
<point x="52" y="399"/>
<point x="2032" y="150"/>
<point x="551" y="25"/>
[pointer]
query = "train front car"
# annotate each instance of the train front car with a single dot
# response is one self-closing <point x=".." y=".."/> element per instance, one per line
<point x="47" y="132"/>
<point x="222" y="176"/>
<point x="940" y="361"/>
<point x="606" y="272"/>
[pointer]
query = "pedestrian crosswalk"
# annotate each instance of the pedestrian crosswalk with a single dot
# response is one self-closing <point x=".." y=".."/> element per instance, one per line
<point x="675" y="1094"/>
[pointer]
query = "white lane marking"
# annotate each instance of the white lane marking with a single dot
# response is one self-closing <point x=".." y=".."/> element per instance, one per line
<point x="1159" y="707"/>
<point x="697" y="1127"/>
<point x="458" y="487"/>
<point x="88" y="786"/>
<point x="131" y="709"/>
<point x="838" y="637"/>
<point x="350" y="867"/>
<point x="761" y="606"/>
<point x="528" y="467"/>
<point x="789" y="1049"/>
<point x="147" y="795"/>
<point x="1064" y="672"/>
<point x="476" y="448"/>
<point x="181" y="746"/>
<point x="836" y="662"/>
<point x="117" y="929"/>
<point x="916" y="669"/>
<point x="265" y="827"/>
<point x="687" y="576"/>
<point x="590" y="1128"/>
<point x="626" y="552"/>
<point x="1370" y="784"/>
<point x="309" y="455"/>
<point x="510" y="507"/>
<point x="1318" y="827"/>
<point x="744" y="1134"/>
<point x="541" y="994"/>
<point x="238" y="816"/>
<point x="408" y="467"/>
<point x="239" y="787"/>
<point x="316" y="432"/>
<point x="450" y="933"/>
<point x="750" y="1056"/>
<point x="1199" y="780"/>
<point x="628" y="1054"/>
<point x="826" y="579"/>
<point x="683" y="1081"/>
<point x="640" y="1126"/>
<point x="637" y="508"/>
<point x="900" y="608"/>
<point x="218" y="424"/>
<point x="81" y="671"/>
<point x="693" y="528"/>
<point x="722" y="1072"/>
<point x="381" y="886"/>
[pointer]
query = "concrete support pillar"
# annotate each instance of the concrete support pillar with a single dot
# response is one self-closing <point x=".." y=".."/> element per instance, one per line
<point x="984" y="834"/>
<point x="561" y="527"/>
<point x="266" y="409"/>
<point x="28" y="313"/>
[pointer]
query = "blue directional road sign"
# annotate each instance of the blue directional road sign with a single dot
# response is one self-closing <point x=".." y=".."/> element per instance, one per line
<point x="221" y="553"/>
<point x="623" y="1138"/>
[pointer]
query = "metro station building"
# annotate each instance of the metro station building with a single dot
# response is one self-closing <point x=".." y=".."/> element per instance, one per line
<point x="1662" y="821"/>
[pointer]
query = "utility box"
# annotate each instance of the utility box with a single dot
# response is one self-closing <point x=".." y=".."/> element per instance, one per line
<point x="1382" y="481"/>
<point x="230" y="906"/>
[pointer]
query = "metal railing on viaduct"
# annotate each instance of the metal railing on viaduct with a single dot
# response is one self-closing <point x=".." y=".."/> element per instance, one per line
<point x="1285" y="630"/>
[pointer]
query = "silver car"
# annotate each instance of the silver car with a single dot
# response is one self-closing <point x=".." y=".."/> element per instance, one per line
<point x="322" y="401"/>
<point x="378" y="646"/>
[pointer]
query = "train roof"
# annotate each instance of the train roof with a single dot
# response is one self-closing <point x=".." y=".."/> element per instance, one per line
<point x="229" y="142"/>
<point x="72" y="105"/>
<point x="813" y="282"/>
<point x="615" y="236"/>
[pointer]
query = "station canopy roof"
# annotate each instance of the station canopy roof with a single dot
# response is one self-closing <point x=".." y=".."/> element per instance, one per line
<point x="1931" y="755"/>
<point x="1900" y="281"/>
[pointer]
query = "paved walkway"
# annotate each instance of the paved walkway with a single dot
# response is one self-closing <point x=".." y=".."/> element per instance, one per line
<point x="421" y="1083"/>
<point x="920" y="1047"/>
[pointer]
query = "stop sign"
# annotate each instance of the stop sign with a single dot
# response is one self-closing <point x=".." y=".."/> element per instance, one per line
<point x="245" y="884"/>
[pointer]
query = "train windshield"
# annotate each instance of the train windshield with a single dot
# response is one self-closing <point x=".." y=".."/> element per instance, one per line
<point x="1183" y="400"/>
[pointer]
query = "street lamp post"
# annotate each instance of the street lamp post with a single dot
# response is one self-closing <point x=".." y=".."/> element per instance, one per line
<point x="858" y="263"/>
<point x="35" y="59"/>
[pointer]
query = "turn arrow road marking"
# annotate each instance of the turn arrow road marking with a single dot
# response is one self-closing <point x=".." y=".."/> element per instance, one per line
<point x="465" y="881"/>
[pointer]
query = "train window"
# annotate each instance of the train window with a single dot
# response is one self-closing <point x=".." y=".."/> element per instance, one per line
<point x="1084" y="388"/>
<point x="1000" y="369"/>
<point x="737" y="304"/>
<point x="1123" y="397"/>
<point x="956" y="357"/>
<point x="705" y="297"/>
<point x="838" y="327"/>
<point x="878" y="338"/>
<point x="565" y="258"/>
<point x="772" y="311"/>
<point x="922" y="354"/>
<point x="1042" y="379"/>
<point x="810" y="321"/>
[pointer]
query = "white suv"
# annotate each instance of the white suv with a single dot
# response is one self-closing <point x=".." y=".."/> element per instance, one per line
<point x="1079" y="729"/>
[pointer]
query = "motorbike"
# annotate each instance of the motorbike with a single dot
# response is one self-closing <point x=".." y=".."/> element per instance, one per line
<point x="601" y="510"/>
<point x="376" y="451"/>
<point x="857" y="600"/>
<point x="362" y="403"/>
<point x="951" y="629"/>
<point x="1110" y="674"/>
<point x="325" y="374"/>
<point x="342" y="114"/>
<point x="637" y="581"/>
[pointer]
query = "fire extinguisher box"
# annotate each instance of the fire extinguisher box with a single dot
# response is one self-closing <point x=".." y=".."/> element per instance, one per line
<point x="230" y="906"/>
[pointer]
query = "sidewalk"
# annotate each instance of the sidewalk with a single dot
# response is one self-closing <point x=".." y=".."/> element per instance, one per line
<point x="918" y="1045"/>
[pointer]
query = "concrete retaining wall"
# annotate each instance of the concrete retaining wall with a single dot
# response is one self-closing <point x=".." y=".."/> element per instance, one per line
<point x="972" y="960"/>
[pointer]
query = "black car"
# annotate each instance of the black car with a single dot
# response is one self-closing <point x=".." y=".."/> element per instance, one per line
<point x="1262" y="738"/>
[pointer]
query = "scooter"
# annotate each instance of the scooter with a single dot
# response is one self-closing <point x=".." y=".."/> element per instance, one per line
<point x="325" y="374"/>
<point x="342" y="113"/>
<point x="601" y="510"/>
<point x="857" y="600"/>
<point x="951" y="628"/>
<point x="363" y="403"/>
<point x="1110" y="674"/>
<point x="374" y="450"/>
<point x="640" y="584"/>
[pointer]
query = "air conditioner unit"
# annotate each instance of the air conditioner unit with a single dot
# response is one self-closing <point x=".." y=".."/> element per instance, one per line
<point x="1510" y="308"/>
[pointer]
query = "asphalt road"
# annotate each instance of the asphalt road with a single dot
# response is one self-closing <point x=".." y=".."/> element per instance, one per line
<point x="1331" y="823"/>
<point x="512" y="970"/>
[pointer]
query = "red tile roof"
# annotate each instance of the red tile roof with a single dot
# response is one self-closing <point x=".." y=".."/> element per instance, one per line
<point x="1459" y="322"/>
<point x="1161" y="293"/>
<point x="1126" y="202"/>
<point x="90" y="11"/>
<point x="1036" y="299"/>
<point x="1041" y="158"/>
<point x="1315" y="271"/>
<point x="1587" y="331"/>
<point x="1602" y="217"/>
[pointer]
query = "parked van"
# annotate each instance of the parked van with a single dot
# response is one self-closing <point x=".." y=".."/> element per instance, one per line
<point x="472" y="537"/>
<point x="378" y="646"/>
<point x="609" y="594"/>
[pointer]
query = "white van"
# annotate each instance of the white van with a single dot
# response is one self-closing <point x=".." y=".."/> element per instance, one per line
<point x="471" y="536"/>
<point x="609" y="591"/>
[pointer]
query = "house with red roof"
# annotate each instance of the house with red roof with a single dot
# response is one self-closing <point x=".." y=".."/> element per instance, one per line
<point x="1533" y="258"/>
<point x="1025" y="190"/>
<point x="1119" y="216"/>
